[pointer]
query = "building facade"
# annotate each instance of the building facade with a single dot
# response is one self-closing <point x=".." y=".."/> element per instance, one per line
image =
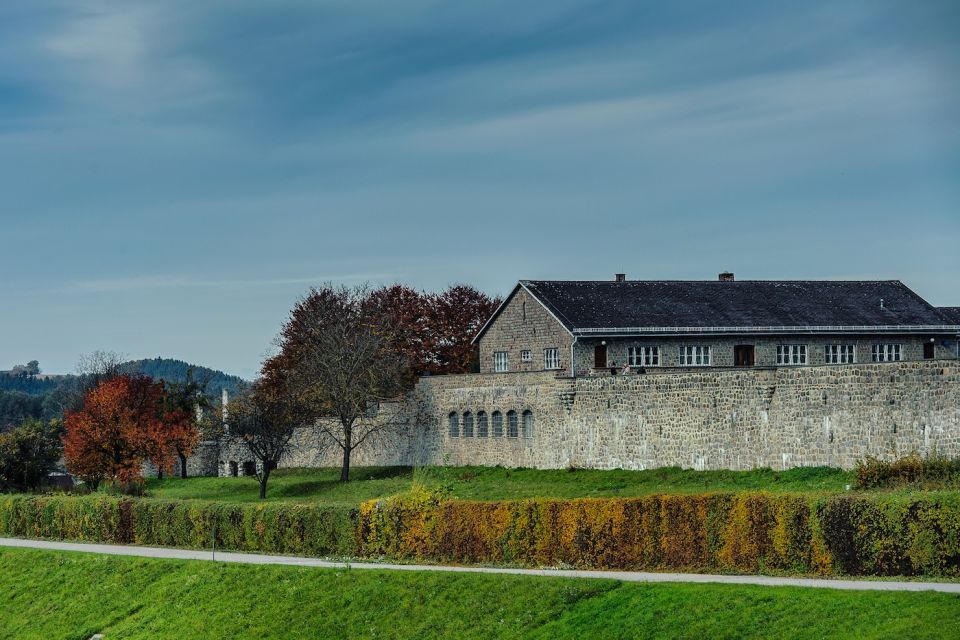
<point x="623" y="326"/>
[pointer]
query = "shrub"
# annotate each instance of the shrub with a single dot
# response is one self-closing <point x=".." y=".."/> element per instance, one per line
<point x="745" y="532"/>
<point x="28" y="453"/>
<point x="931" y="472"/>
<point x="282" y="528"/>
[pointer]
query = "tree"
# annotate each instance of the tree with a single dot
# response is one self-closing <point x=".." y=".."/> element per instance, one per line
<point x="28" y="454"/>
<point x="455" y="317"/>
<point x="265" y="423"/>
<point x="116" y="430"/>
<point x="183" y="405"/>
<point x="339" y="359"/>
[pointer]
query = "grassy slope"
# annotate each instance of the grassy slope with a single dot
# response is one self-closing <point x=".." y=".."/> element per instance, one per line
<point x="53" y="595"/>
<point x="495" y="483"/>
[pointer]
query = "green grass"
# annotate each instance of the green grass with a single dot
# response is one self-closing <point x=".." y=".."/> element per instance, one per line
<point x="495" y="483"/>
<point x="58" y="595"/>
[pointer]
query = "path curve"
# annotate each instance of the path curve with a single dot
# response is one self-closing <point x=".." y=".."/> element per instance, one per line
<point x="625" y="576"/>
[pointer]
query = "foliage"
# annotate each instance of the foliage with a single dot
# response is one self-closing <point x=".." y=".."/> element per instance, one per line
<point x="32" y="385"/>
<point x="931" y="472"/>
<point x="28" y="453"/>
<point x="339" y="359"/>
<point x="747" y="532"/>
<point x="169" y="370"/>
<point x="264" y="421"/>
<point x="298" y="529"/>
<point x="118" y="428"/>
<point x="16" y="407"/>
<point x="140" y="598"/>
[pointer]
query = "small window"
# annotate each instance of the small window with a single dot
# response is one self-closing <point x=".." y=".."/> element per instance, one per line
<point x="467" y="424"/>
<point x="500" y="363"/>
<point x="526" y="356"/>
<point x="454" y="425"/>
<point x="482" y="429"/>
<point x="790" y="354"/>
<point x="551" y="358"/>
<point x="643" y="356"/>
<point x="840" y="354"/>
<point x="527" y="424"/>
<point x="695" y="356"/>
<point x="512" y="424"/>
<point x="497" y="424"/>
<point x="887" y="352"/>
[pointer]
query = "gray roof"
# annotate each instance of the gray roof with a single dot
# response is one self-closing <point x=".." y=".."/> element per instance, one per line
<point x="818" y="305"/>
<point x="952" y="314"/>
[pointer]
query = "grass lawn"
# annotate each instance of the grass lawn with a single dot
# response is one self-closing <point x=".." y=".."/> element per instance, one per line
<point x="495" y="483"/>
<point x="53" y="595"/>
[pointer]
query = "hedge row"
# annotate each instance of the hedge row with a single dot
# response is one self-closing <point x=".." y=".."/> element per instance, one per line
<point x="277" y="528"/>
<point x="846" y="534"/>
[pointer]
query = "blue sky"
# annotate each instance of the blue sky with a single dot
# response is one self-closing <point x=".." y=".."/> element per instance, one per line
<point x="174" y="174"/>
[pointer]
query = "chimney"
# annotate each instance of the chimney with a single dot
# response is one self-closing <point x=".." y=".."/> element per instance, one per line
<point x="620" y="277"/>
<point x="726" y="276"/>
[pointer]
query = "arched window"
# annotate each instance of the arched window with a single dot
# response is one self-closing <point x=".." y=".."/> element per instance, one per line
<point x="512" y="424"/>
<point x="528" y="424"/>
<point x="454" y="425"/>
<point x="482" y="431"/>
<point x="467" y="424"/>
<point x="497" y="424"/>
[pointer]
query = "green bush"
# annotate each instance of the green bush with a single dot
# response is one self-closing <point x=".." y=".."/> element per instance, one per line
<point x="931" y="472"/>
<point x="281" y="528"/>
<point x="746" y="532"/>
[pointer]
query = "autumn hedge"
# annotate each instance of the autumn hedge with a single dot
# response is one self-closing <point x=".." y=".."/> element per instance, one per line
<point x="743" y="532"/>
<point x="275" y="528"/>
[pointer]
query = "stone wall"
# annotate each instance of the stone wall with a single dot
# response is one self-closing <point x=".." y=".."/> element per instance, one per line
<point x="708" y="419"/>
<point x="524" y="325"/>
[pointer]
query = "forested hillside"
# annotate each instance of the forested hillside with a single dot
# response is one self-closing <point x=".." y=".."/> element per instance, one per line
<point x="178" y="370"/>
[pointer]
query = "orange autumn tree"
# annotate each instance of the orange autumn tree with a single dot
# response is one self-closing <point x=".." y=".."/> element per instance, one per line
<point x="117" y="429"/>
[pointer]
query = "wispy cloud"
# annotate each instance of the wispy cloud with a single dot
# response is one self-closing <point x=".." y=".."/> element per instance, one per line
<point x="142" y="283"/>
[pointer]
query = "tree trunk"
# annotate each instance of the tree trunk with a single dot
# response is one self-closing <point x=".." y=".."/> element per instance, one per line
<point x="159" y="473"/>
<point x="263" y="480"/>
<point x="347" y="450"/>
<point x="183" y="465"/>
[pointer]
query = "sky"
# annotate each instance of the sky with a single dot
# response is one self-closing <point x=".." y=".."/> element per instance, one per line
<point x="174" y="174"/>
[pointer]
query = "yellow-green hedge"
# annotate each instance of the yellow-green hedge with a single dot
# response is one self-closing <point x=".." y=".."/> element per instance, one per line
<point x="748" y="532"/>
<point x="274" y="528"/>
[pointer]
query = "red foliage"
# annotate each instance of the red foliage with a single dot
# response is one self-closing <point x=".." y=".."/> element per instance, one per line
<point x="121" y="425"/>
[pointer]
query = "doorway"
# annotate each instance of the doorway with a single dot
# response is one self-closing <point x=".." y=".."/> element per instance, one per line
<point x="600" y="356"/>
<point x="928" y="350"/>
<point x="743" y="355"/>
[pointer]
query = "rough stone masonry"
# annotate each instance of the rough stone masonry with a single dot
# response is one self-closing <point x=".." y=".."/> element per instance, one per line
<point x="726" y="419"/>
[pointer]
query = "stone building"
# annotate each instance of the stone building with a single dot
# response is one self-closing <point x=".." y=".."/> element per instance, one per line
<point x="630" y="326"/>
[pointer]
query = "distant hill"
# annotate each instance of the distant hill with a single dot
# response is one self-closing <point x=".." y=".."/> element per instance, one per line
<point x="178" y="370"/>
<point x="157" y="368"/>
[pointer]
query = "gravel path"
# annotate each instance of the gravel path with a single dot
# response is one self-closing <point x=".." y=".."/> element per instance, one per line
<point x="625" y="576"/>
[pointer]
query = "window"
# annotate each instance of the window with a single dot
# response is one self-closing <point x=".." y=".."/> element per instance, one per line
<point x="467" y="424"/>
<point x="525" y="356"/>
<point x="695" y="356"/>
<point x="528" y="424"/>
<point x="791" y="354"/>
<point x="840" y="354"/>
<point x="887" y="352"/>
<point x="500" y="362"/>
<point x="497" y="424"/>
<point x="482" y="430"/>
<point x="512" y="424"/>
<point x="454" y="425"/>
<point x="551" y="358"/>
<point x="643" y="356"/>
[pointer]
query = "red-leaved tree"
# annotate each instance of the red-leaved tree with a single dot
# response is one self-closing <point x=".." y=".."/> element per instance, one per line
<point x="118" y="428"/>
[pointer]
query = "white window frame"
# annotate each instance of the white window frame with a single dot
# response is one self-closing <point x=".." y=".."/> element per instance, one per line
<point x="526" y="356"/>
<point x="791" y="355"/>
<point x="695" y="355"/>
<point x="501" y="363"/>
<point x="840" y="353"/>
<point x="648" y="356"/>
<point x="551" y="358"/>
<point x="887" y="352"/>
